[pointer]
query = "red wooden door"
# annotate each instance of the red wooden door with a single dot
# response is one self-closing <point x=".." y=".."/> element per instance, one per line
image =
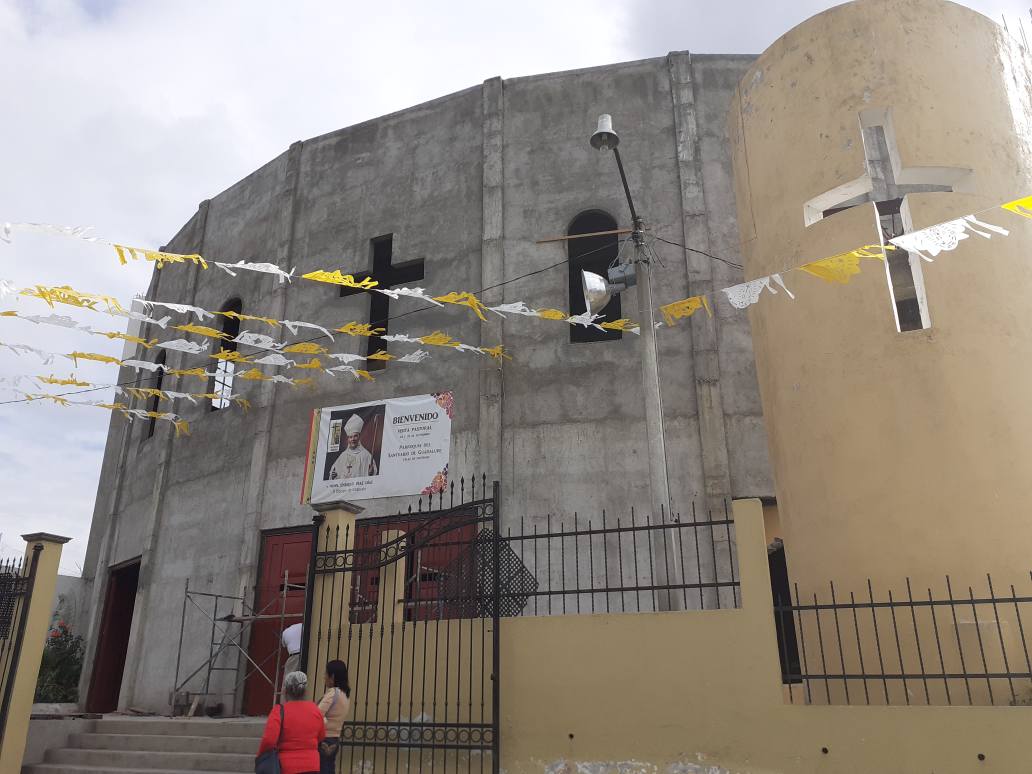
<point x="281" y="552"/>
<point x="426" y="569"/>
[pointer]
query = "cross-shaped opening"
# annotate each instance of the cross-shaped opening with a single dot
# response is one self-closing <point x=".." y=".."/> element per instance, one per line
<point x="388" y="275"/>
<point x="886" y="183"/>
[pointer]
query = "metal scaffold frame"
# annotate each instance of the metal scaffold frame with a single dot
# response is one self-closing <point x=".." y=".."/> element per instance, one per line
<point x="229" y="633"/>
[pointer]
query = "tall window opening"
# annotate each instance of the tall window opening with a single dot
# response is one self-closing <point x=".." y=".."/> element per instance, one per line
<point x="596" y="254"/>
<point x="152" y="402"/>
<point x="221" y="385"/>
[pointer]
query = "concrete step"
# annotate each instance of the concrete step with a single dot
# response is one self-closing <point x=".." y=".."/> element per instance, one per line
<point x="62" y="768"/>
<point x="250" y="728"/>
<point x="115" y="760"/>
<point x="164" y="743"/>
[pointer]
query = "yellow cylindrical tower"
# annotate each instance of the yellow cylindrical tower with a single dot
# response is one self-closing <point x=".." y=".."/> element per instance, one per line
<point x="895" y="453"/>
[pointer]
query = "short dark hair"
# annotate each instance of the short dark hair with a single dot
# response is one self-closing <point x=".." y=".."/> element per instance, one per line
<point x="338" y="670"/>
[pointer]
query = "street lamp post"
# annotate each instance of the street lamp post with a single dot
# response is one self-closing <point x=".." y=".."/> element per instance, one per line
<point x="606" y="139"/>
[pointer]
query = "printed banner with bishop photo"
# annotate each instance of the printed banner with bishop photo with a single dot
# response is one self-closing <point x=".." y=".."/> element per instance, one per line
<point x="386" y="448"/>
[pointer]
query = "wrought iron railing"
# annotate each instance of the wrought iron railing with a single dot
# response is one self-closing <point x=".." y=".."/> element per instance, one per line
<point x="16" y="582"/>
<point x="915" y="646"/>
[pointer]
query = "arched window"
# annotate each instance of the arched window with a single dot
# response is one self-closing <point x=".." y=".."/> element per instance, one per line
<point x="222" y="383"/>
<point x="152" y="402"/>
<point x="594" y="253"/>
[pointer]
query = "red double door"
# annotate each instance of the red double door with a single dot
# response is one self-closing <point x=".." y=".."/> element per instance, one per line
<point x="284" y="560"/>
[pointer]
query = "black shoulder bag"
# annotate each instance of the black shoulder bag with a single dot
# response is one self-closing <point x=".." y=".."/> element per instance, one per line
<point x="268" y="761"/>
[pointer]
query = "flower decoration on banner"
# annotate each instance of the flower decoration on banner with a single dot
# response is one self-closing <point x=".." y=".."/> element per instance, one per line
<point x="360" y="329"/>
<point x="748" y="293"/>
<point x="679" y="310"/>
<point x="446" y="400"/>
<point x="464" y="299"/>
<point x="158" y="257"/>
<point x="929" y="242"/>
<point x="840" y="268"/>
<point x="1021" y="206"/>
<point x="202" y="330"/>
<point x="306" y="348"/>
<point x="267" y="268"/>
<point x="439" y="483"/>
<point x="344" y="280"/>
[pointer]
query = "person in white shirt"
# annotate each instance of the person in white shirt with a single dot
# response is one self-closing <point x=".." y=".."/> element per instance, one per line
<point x="355" y="461"/>
<point x="291" y="639"/>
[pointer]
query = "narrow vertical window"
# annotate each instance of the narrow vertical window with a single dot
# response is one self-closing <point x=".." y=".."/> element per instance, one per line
<point x="221" y="385"/>
<point x="595" y="254"/>
<point x="153" y="401"/>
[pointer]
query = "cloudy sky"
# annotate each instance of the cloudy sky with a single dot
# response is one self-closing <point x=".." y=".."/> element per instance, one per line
<point x="124" y="115"/>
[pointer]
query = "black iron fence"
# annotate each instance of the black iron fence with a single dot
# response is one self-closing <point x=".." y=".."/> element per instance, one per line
<point x="954" y="645"/>
<point x="16" y="582"/>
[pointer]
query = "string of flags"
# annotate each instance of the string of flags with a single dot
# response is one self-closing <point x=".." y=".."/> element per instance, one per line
<point x="927" y="243"/>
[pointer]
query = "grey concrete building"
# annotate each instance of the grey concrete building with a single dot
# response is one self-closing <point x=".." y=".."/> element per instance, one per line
<point x="467" y="184"/>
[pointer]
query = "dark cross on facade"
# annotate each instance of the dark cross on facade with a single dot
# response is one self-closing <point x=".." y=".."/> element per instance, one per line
<point x="388" y="275"/>
<point x="886" y="183"/>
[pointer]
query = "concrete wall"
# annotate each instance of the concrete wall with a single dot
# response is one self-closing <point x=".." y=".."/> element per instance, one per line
<point x="895" y="454"/>
<point x="467" y="183"/>
<point x="701" y="692"/>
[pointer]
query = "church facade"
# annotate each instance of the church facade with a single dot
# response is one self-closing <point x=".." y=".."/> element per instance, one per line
<point x="454" y="194"/>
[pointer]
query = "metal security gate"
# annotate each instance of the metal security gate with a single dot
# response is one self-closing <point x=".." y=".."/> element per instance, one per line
<point x="411" y="604"/>
<point x="16" y="582"/>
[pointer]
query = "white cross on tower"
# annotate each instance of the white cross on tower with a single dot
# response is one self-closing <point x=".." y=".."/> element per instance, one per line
<point x="887" y="182"/>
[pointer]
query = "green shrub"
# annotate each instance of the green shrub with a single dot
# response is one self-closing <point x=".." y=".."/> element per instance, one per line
<point x="61" y="666"/>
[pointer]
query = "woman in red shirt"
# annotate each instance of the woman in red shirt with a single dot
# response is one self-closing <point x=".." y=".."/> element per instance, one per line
<point x="302" y="728"/>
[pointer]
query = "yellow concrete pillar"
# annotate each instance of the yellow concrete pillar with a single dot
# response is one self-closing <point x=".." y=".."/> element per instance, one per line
<point x="392" y="579"/>
<point x="45" y="551"/>
<point x="331" y="591"/>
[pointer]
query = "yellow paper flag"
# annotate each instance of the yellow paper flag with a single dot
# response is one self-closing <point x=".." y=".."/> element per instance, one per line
<point x="306" y="348"/>
<point x="360" y="329"/>
<point x="684" y="308"/>
<point x="380" y="355"/>
<point x="203" y="330"/>
<point x="313" y="364"/>
<point x="237" y="316"/>
<point x="497" y="352"/>
<point x="231" y="356"/>
<point x="840" y="268"/>
<point x="72" y="297"/>
<point x="1022" y="207"/>
<point x="72" y="382"/>
<point x="623" y="324"/>
<point x="77" y="356"/>
<point x="464" y="299"/>
<point x="157" y="257"/>
<point x="198" y="372"/>
<point x="438" y="339"/>
<point x="254" y="375"/>
<point x="552" y="314"/>
<point x="345" y="280"/>
<point x="127" y="337"/>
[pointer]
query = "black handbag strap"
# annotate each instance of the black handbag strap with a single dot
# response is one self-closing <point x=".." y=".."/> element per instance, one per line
<point x="281" y="721"/>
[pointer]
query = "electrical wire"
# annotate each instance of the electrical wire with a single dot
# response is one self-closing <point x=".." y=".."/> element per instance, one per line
<point x="700" y="252"/>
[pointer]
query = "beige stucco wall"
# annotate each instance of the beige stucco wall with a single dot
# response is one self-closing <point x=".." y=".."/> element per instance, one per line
<point x="895" y="454"/>
<point x="673" y="693"/>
